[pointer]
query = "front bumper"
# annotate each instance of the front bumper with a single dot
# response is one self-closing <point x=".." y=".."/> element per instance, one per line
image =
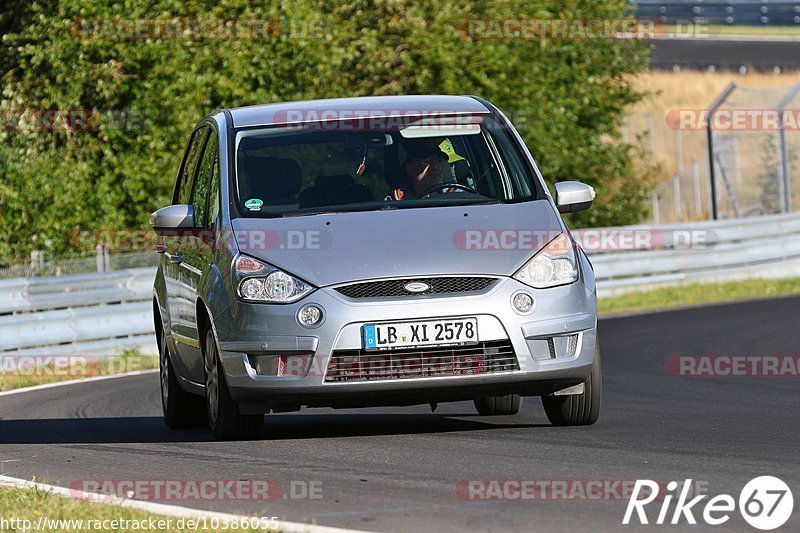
<point x="539" y="340"/>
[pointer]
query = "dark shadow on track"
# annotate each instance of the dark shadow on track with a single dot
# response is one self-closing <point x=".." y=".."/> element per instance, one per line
<point x="355" y="425"/>
<point x="282" y="427"/>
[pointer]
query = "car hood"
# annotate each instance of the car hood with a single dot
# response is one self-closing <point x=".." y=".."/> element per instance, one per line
<point x="327" y="249"/>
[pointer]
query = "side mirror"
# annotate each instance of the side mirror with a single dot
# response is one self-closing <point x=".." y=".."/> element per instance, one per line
<point x="172" y="217"/>
<point x="573" y="196"/>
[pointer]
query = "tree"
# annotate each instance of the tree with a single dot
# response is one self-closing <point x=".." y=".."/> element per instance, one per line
<point x="566" y="96"/>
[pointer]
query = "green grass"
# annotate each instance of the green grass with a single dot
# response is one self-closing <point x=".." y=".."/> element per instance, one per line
<point x="14" y="375"/>
<point x="698" y="294"/>
<point x="31" y="504"/>
<point x="791" y="31"/>
<point x="699" y="31"/>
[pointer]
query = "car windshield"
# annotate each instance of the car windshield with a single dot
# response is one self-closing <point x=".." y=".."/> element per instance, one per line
<point x="351" y="166"/>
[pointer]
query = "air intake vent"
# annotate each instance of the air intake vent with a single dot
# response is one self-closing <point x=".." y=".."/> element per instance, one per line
<point x="430" y="362"/>
<point x="395" y="288"/>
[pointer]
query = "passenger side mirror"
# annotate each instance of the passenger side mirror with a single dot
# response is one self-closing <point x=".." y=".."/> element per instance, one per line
<point x="172" y="217"/>
<point x="573" y="196"/>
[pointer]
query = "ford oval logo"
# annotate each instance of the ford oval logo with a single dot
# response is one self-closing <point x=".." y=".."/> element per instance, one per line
<point x="416" y="286"/>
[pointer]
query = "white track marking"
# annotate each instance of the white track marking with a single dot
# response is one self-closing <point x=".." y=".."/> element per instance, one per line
<point x="159" y="508"/>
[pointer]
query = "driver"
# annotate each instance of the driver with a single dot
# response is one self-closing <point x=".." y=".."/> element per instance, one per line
<point x="426" y="165"/>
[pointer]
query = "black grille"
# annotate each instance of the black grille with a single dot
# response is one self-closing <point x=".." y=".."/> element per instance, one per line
<point x="396" y="287"/>
<point x="429" y="362"/>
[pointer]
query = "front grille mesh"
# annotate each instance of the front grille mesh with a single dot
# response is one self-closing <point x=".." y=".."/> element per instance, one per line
<point x="395" y="287"/>
<point x="429" y="362"/>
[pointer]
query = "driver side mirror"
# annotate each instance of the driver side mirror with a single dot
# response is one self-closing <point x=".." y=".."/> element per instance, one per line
<point x="573" y="196"/>
<point x="172" y="217"/>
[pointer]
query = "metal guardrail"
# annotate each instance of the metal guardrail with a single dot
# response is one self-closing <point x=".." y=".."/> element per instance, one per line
<point x="743" y="13"/>
<point x="764" y="247"/>
<point x="105" y="313"/>
<point x="86" y="314"/>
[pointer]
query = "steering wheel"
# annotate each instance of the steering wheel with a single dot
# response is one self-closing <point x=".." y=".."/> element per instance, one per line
<point x="446" y="185"/>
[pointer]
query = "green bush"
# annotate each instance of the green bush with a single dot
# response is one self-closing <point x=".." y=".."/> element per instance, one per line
<point x="567" y="96"/>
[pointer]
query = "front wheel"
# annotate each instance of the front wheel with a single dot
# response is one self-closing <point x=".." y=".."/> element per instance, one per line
<point x="509" y="404"/>
<point x="181" y="409"/>
<point x="577" y="409"/>
<point x="224" y="417"/>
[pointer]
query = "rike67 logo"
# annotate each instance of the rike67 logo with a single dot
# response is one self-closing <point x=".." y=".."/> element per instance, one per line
<point x="765" y="503"/>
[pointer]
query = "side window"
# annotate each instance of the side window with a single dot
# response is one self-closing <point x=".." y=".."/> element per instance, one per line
<point x="214" y="201"/>
<point x="190" y="158"/>
<point x="201" y="183"/>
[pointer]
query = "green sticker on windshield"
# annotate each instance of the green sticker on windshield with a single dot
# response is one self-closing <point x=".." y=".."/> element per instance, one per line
<point x="254" y="204"/>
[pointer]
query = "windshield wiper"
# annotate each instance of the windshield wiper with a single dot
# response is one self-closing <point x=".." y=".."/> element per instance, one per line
<point x="331" y="211"/>
<point x="445" y="203"/>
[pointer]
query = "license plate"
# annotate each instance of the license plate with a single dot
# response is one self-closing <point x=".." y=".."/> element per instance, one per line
<point x="447" y="332"/>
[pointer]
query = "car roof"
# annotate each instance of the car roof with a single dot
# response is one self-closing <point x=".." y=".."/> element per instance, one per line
<point x="347" y="108"/>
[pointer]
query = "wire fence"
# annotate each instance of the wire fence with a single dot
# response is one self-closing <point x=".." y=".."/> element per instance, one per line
<point x="738" y="158"/>
<point x="683" y="156"/>
<point x="101" y="260"/>
<point x="755" y="165"/>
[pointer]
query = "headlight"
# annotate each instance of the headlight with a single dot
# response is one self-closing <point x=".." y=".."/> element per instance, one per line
<point x="553" y="265"/>
<point x="260" y="282"/>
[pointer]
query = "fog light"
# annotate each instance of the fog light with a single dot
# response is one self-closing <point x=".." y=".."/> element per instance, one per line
<point x="310" y="315"/>
<point x="523" y="302"/>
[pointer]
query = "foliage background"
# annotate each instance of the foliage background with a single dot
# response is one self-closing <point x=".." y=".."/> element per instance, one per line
<point x="567" y="97"/>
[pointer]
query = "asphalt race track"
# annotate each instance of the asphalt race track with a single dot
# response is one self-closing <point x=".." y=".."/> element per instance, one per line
<point x="397" y="469"/>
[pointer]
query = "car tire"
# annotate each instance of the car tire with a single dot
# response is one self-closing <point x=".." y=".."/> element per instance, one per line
<point x="509" y="404"/>
<point x="181" y="409"/>
<point x="224" y="418"/>
<point x="577" y="409"/>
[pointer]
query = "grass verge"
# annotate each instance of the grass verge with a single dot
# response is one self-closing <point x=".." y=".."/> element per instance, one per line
<point x="26" y="371"/>
<point x="712" y="30"/>
<point x="33" y="507"/>
<point x="698" y="294"/>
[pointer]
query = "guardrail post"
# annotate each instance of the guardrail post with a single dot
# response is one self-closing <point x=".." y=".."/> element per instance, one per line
<point x="656" y="213"/>
<point x="783" y="165"/>
<point x="103" y="260"/>
<point x="698" y="199"/>
<point x="783" y="152"/>
<point x="37" y="260"/>
<point x="710" y="136"/>
<point x="676" y="196"/>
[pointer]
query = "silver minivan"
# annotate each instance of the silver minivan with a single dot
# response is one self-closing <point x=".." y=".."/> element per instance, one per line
<point x="365" y="252"/>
